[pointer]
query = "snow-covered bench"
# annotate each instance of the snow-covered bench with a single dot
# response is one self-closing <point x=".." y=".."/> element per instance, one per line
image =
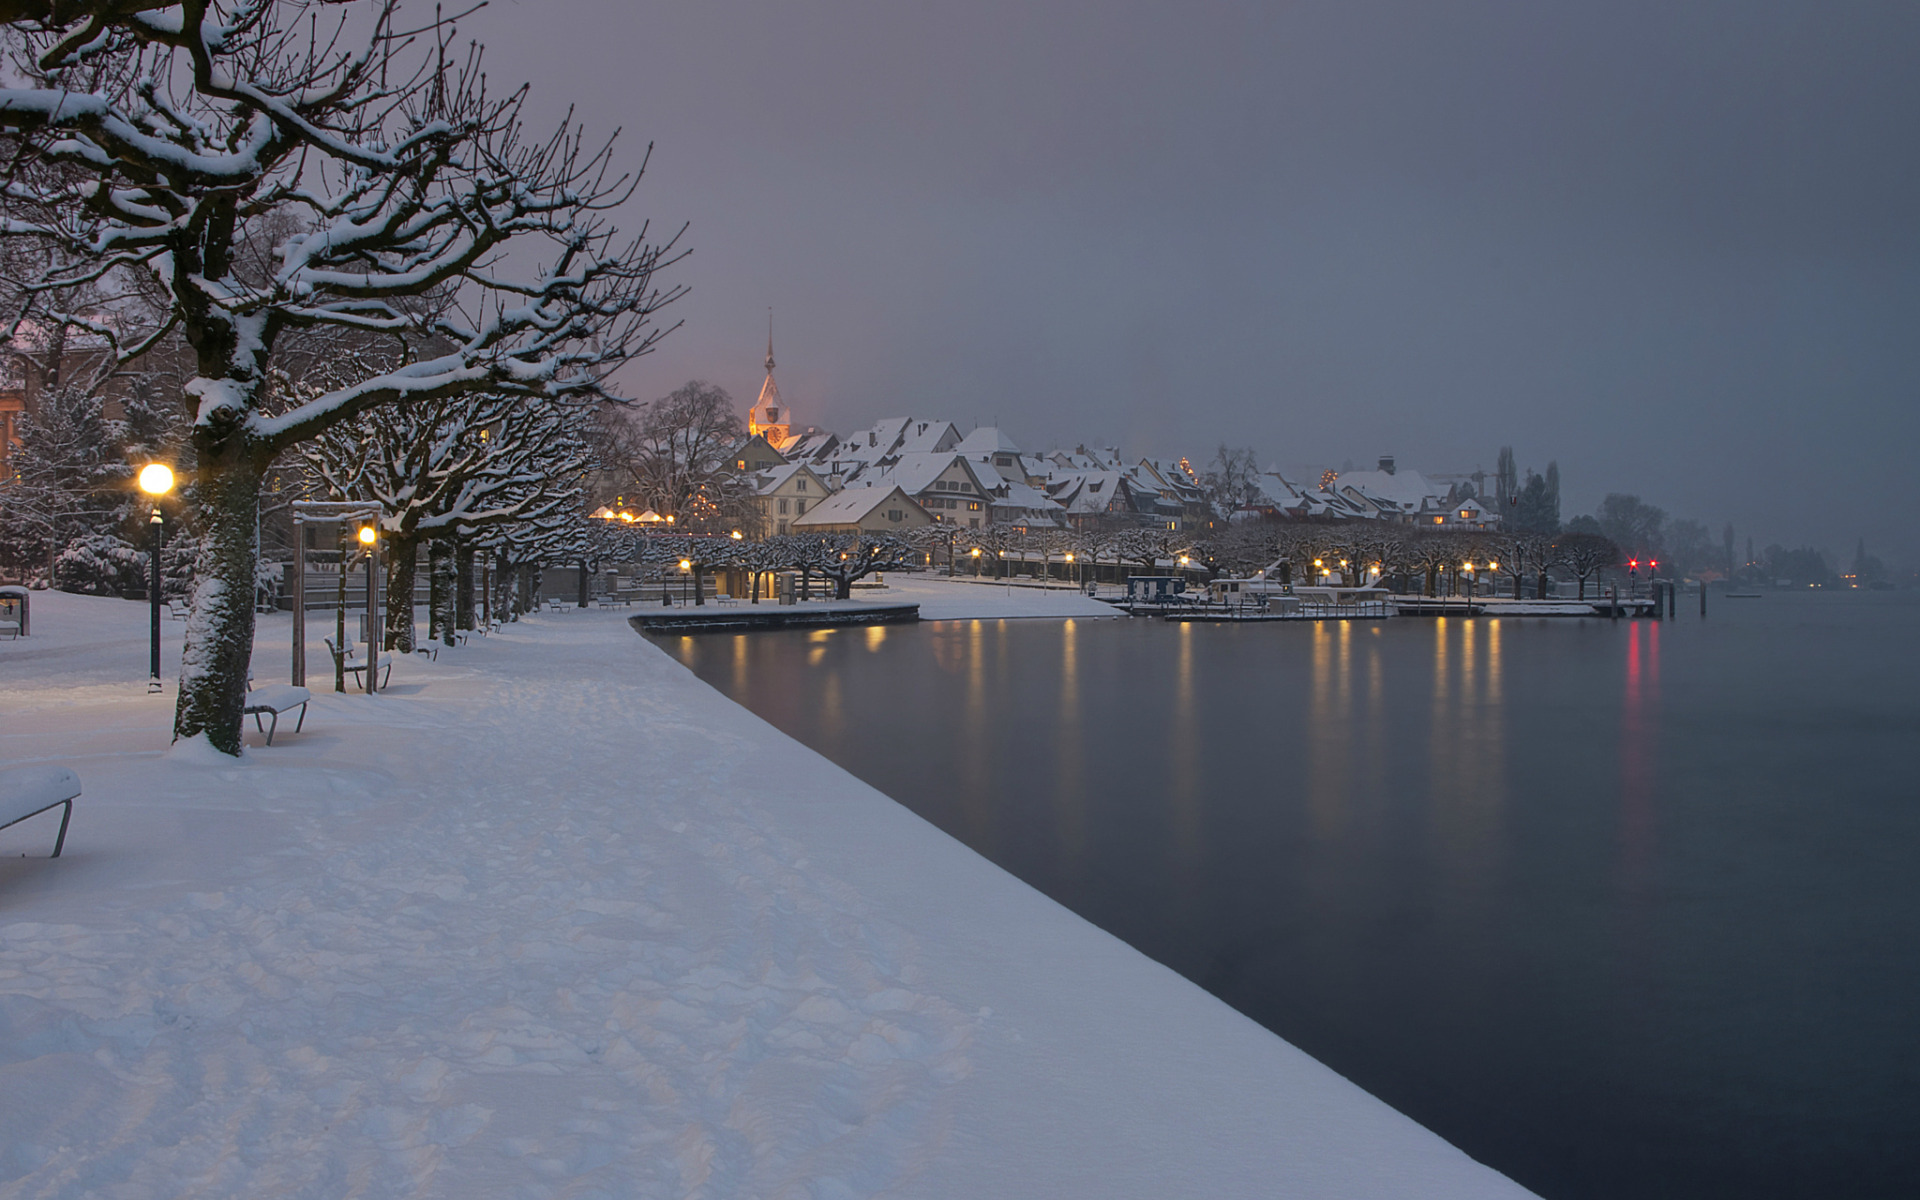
<point x="9" y="629"/>
<point x="177" y="610"/>
<point x="273" y="700"/>
<point x="352" y="664"/>
<point x="29" y="791"/>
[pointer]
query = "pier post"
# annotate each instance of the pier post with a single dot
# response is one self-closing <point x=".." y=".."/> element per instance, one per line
<point x="1613" y="601"/>
<point x="1703" y="597"/>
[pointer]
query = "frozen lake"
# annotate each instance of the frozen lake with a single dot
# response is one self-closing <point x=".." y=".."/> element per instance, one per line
<point x="1618" y="908"/>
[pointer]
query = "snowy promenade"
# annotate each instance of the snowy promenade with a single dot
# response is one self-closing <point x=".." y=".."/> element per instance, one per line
<point x="553" y="918"/>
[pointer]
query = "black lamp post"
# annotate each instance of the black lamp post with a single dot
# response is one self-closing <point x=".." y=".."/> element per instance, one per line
<point x="156" y="480"/>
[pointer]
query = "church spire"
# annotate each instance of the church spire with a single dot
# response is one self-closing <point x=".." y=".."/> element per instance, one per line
<point x="768" y="417"/>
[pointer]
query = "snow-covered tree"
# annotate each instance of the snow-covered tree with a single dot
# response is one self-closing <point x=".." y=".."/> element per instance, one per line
<point x="176" y="141"/>
<point x="845" y="558"/>
<point x="675" y="456"/>
<point x="71" y="480"/>
<point x="444" y="470"/>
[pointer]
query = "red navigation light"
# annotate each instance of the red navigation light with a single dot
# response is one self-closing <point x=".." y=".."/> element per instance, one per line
<point x="1652" y="563"/>
<point x="1633" y="564"/>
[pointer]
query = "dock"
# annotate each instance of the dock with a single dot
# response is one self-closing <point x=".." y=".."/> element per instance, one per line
<point x="737" y="619"/>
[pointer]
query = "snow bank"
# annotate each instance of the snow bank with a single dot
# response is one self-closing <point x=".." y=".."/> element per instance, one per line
<point x="941" y="599"/>
<point x="551" y="917"/>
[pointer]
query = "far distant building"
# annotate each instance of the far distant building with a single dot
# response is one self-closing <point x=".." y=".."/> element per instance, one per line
<point x="769" y="417"/>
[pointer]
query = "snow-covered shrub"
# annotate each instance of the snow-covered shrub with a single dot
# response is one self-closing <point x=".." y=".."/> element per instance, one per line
<point x="100" y="564"/>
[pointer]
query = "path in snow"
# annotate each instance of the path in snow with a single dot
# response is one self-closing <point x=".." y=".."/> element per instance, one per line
<point x="552" y="918"/>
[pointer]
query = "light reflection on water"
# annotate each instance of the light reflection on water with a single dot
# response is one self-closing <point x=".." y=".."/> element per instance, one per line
<point x="1621" y="908"/>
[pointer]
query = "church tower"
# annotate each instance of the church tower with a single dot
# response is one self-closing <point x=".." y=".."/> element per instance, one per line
<point x="768" y="416"/>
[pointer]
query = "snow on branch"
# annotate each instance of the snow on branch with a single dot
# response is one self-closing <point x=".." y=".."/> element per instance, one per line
<point x="361" y="171"/>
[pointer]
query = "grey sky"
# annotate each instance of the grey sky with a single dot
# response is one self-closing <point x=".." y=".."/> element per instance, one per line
<point x="1672" y="246"/>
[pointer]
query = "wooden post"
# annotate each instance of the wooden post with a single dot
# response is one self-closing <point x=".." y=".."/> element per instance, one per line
<point x="1703" y="597"/>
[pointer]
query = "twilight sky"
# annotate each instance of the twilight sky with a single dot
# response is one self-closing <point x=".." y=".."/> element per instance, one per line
<point x="1672" y="245"/>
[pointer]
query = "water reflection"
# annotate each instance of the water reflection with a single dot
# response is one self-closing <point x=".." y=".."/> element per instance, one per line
<point x="1503" y="873"/>
<point x="1070" y="774"/>
<point x="1183" y="759"/>
<point x="1639" y="700"/>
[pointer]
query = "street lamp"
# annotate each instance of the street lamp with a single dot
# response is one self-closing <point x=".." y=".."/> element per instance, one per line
<point x="369" y="537"/>
<point x="156" y="480"/>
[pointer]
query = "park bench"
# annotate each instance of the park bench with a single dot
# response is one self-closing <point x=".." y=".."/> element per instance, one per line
<point x="273" y="700"/>
<point x="351" y="663"/>
<point x="176" y="610"/>
<point x="9" y="628"/>
<point x="29" y="791"/>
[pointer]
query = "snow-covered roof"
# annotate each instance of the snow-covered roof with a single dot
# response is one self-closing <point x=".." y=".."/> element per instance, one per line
<point x="915" y="472"/>
<point x="927" y="437"/>
<point x="986" y="440"/>
<point x="850" y="506"/>
<point x="769" y="481"/>
<point x="1406" y="490"/>
<point x="1013" y="496"/>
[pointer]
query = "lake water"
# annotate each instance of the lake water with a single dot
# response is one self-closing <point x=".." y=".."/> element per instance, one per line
<point x="1619" y="908"/>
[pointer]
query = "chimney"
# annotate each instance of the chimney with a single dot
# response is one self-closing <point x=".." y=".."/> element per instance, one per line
<point x="1386" y="463"/>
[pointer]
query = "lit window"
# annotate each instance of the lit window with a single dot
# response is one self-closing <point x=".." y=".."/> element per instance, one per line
<point x="973" y="506"/>
<point x="740" y="464"/>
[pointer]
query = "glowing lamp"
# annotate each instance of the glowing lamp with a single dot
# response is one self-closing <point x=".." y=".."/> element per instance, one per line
<point x="975" y="552"/>
<point x="686" y="565"/>
<point x="156" y="479"/>
<point x="368" y="535"/>
<point x="735" y="535"/>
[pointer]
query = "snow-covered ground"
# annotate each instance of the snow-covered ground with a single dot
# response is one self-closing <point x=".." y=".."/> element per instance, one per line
<point x="941" y="599"/>
<point x="552" y="918"/>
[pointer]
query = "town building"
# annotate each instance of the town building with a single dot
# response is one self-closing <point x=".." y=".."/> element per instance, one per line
<point x="863" y="510"/>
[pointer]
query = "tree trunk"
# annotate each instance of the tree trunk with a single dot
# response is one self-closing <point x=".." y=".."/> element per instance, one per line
<point x="440" y="583"/>
<point x="213" y="668"/>
<point x="402" y="549"/>
<point x="699" y="584"/>
<point x="843" y="588"/>
<point x="463" y="587"/>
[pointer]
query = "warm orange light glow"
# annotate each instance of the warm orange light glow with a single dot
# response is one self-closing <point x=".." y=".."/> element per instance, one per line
<point x="156" y="479"/>
<point x="685" y="565"/>
<point x="368" y="535"/>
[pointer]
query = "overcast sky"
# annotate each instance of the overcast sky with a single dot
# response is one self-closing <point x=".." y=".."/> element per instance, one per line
<point x="1672" y="246"/>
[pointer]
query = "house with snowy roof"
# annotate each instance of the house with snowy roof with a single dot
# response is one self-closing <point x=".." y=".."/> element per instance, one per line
<point x="989" y="445"/>
<point x="754" y="453"/>
<point x="784" y="494"/>
<point x="1110" y="499"/>
<point x="864" y="510"/>
<point x="948" y="486"/>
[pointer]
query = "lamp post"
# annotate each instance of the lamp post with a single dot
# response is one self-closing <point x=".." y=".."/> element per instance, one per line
<point x="156" y="480"/>
<point x="370" y="538"/>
